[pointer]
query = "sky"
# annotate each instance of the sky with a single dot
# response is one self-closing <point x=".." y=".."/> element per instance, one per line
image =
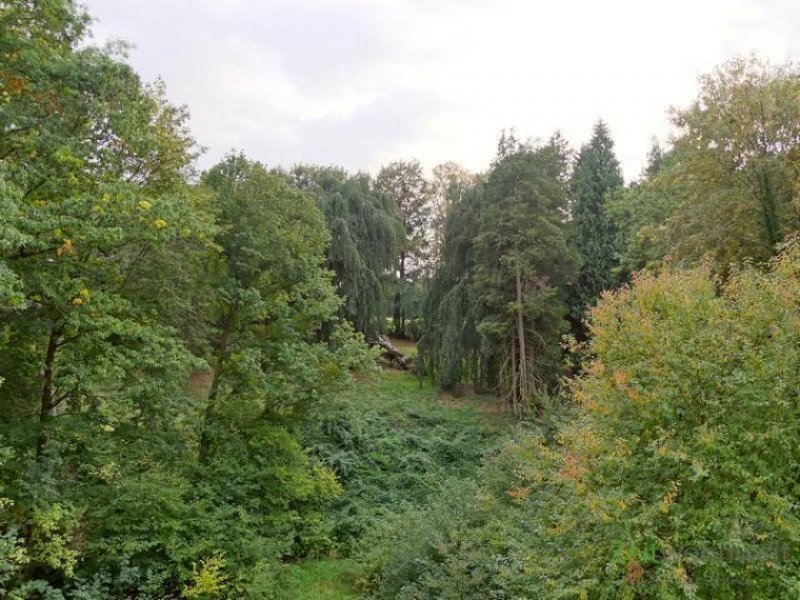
<point x="359" y="83"/>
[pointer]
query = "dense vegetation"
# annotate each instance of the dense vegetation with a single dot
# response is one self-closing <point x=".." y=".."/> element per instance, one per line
<point x="190" y="405"/>
<point x="676" y="478"/>
<point x="494" y="312"/>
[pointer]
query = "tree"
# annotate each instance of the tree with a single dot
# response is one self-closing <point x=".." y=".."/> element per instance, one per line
<point x="494" y="313"/>
<point x="405" y="182"/>
<point x="450" y="182"/>
<point x="118" y="279"/>
<point x="365" y="241"/>
<point x="596" y="175"/>
<point x="89" y="208"/>
<point x="735" y="164"/>
<point x="271" y="295"/>
<point x="675" y="477"/>
<point x="640" y="212"/>
<point x="89" y="361"/>
<point x="507" y="145"/>
<point x="682" y="453"/>
<point x="522" y="240"/>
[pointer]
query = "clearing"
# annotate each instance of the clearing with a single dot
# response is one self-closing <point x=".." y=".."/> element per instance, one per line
<point x="396" y="443"/>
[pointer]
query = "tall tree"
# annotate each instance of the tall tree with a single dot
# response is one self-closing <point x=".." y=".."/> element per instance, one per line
<point x="111" y="267"/>
<point x="366" y="239"/>
<point x="735" y="167"/>
<point x="271" y="296"/>
<point x="596" y="175"/>
<point x="91" y="196"/>
<point x="494" y="314"/>
<point x="84" y="156"/>
<point x="450" y="182"/>
<point x="405" y="182"/>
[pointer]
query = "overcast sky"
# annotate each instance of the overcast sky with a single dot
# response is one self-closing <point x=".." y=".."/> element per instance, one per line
<point x="361" y="82"/>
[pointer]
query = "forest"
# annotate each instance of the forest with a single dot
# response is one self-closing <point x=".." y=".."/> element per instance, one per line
<point x="599" y="395"/>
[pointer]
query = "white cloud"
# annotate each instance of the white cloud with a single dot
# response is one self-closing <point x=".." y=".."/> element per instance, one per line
<point x="359" y="82"/>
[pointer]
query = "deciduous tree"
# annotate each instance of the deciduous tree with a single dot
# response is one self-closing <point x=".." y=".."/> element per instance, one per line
<point x="405" y="182"/>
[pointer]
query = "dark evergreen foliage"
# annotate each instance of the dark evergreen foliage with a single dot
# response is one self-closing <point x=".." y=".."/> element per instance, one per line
<point x="595" y="177"/>
<point x="494" y="313"/>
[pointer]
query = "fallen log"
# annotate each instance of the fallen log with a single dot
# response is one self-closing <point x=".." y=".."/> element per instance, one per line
<point x="391" y="353"/>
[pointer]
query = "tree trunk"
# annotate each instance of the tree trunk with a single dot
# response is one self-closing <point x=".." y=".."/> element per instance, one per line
<point x="399" y="316"/>
<point x="46" y="405"/>
<point x="769" y="209"/>
<point x="396" y="316"/>
<point x="220" y="356"/>
<point x="523" y="363"/>
<point x="391" y="352"/>
<point x="46" y="401"/>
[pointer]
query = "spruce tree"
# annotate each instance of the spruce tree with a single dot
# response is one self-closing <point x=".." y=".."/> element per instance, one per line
<point x="596" y="175"/>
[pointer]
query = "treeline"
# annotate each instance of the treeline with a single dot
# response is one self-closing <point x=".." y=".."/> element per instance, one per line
<point x="169" y="337"/>
<point x="530" y="247"/>
<point x="666" y="467"/>
<point x="164" y="334"/>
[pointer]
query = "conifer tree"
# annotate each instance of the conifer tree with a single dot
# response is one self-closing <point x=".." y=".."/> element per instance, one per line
<point x="449" y="183"/>
<point x="596" y="175"/>
<point x="494" y="315"/>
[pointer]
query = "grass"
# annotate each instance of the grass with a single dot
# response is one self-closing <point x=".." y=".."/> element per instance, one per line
<point x="393" y="444"/>
<point x="401" y="392"/>
<point x="326" y="579"/>
<point x="406" y="346"/>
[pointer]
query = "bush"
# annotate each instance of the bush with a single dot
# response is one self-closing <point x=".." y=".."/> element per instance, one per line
<point x="676" y="479"/>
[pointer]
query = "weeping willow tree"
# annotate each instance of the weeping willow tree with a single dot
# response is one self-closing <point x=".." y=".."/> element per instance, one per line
<point x="366" y="239"/>
<point x="494" y="313"/>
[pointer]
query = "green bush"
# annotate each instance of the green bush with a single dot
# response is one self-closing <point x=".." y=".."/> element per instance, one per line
<point x="676" y="479"/>
<point x="391" y="445"/>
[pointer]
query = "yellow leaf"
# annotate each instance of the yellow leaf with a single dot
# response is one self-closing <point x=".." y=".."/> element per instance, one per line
<point x="65" y="248"/>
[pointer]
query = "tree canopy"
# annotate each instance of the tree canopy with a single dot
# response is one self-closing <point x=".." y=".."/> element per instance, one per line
<point x="730" y="177"/>
<point x="405" y="182"/>
<point x="494" y="312"/>
<point x="595" y="176"/>
<point x="191" y="405"/>
<point x="367" y="235"/>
